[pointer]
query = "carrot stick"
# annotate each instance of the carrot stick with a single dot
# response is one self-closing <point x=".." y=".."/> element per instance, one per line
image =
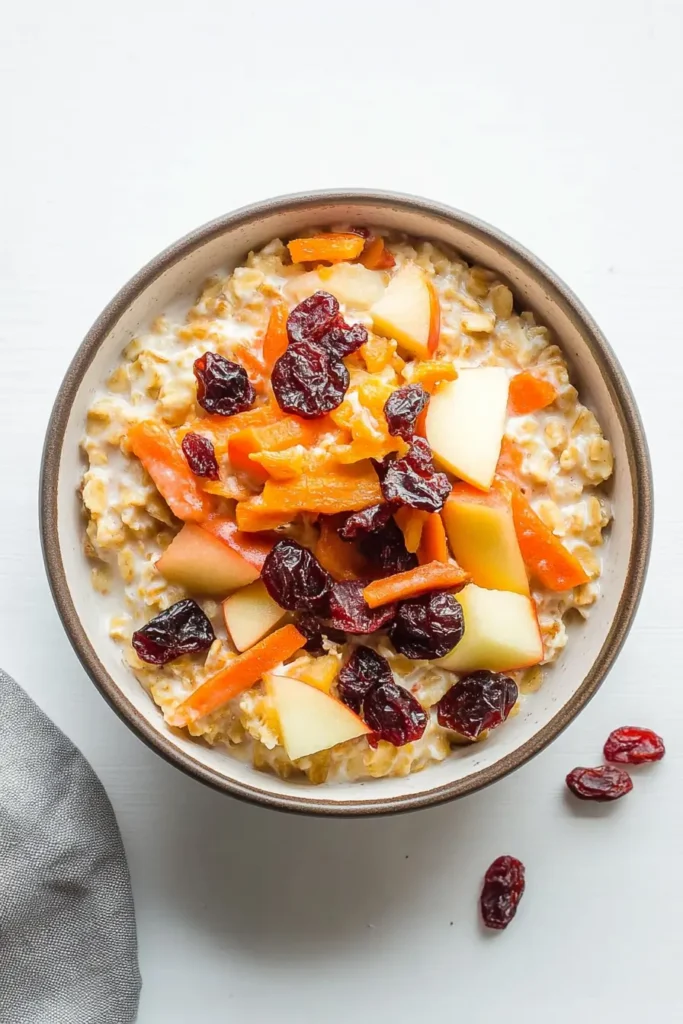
<point x="274" y="437"/>
<point x="330" y="247"/>
<point x="544" y="554"/>
<point x="275" y="341"/>
<point x="529" y="393"/>
<point x="433" y="576"/>
<point x="433" y="544"/>
<point x="238" y="675"/>
<point x="348" y="489"/>
<point x="163" y="459"/>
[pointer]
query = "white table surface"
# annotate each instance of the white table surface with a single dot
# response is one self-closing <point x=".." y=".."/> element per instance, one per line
<point x="125" y="125"/>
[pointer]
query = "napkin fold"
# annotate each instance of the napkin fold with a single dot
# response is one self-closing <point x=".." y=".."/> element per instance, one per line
<point x="68" y="945"/>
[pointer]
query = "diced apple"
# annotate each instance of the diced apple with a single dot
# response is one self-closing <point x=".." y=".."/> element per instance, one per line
<point x="310" y="720"/>
<point x="203" y="564"/>
<point x="501" y="632"/>
<point x="250" y="613"/>
<point x="409" y="311"/>
<point x="466" y="421"/>
<point x="351" y="283"/>
<point x="481" y="533"/>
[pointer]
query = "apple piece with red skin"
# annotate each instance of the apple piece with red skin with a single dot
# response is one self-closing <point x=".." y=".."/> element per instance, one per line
<point x="501" y="632"/>
<point x="250" y="614"/>
<point x="409" y="312"/>
<point x="481" y="533"/>
<point x="203" y="564"/>
<point x="310" y="720"/>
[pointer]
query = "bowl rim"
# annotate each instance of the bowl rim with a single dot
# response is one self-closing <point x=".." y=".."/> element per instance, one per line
<point x="637" y="453"/>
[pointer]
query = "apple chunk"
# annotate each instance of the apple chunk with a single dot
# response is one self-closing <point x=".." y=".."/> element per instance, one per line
<point x="481" y="533"/>
<point x="501" y="632"/>
<point x="350" y="283"/>
<point x="250" y="613"/>
<point x="203" y="564"/>
<point x="466" y="422"/>
<point x="409" y="311"/>
<point x="310" y="720"/>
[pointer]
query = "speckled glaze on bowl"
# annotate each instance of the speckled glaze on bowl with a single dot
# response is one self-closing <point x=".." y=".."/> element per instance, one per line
<point x="572" y="681"/>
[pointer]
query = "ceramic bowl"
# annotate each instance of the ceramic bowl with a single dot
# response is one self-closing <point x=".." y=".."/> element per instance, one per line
<point x="572" y="681"/>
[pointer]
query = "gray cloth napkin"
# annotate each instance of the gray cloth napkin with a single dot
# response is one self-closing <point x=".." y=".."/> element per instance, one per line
<point x="68" y="946"/>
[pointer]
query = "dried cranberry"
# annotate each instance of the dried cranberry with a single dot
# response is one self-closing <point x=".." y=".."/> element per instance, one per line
<point x="181" y="629"/>
<point x="342" y="340"/>
<point x="308" y="380"/>
<point x="312" y="318"/>
<point x="316" y="631"/>
<point x="364" y="670"/>
<point x="294" y="578"/>
<point x="503" y="889"/>
<point x="428" y="626"/>
<point x="394" y="714"/>
<point x="480" y="701"/>
<point x="350" y="611"/>
<point x="223" y="387"/>
<point x="200" y="455"/>
<point x="369" y="520"/>
<point x="402" y="408"/>
<point x="603" y="783"/>
<point x="413" y="480"/>
<point x="387" y="550"/>
<point x="632" y="745"/>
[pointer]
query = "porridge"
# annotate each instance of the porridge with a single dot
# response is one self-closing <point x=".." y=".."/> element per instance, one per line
<point x="345" y="504"/>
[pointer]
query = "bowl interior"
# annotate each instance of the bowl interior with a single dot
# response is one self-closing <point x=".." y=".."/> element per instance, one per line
<point x="175" y="277"/>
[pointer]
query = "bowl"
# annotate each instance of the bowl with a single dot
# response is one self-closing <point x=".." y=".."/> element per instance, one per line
<point x="575" y="677"/>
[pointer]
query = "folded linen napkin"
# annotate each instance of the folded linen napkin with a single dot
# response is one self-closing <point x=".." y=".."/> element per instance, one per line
<point x="68" y="946"/>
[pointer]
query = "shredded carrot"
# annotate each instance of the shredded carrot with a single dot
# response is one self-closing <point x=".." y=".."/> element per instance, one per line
<point x="430" y="372"/>
<point x="375" y="255"/>
<point x="544" y="554"/>
<point x="510" y="462"/>
<point x="253" y="517"/>
<point x="529" y="393"/>
<point x="433" y="544"/>
<point x="162" y="457"/>
<point x="432" y="576"/>
<point x="329" y="247"/>
<point x="275" y="340"/>
<point x="252" y="549"/>
<point x="378" y="352"/>
<point x="342" y="560"/>
<point x="249" y="361"/>
<point x="223" y="427"/>
<point x="347" y="489"/>
<point x="239" y="674"/>
<point x="411" y="522"/>
<point x="274" y="437"/>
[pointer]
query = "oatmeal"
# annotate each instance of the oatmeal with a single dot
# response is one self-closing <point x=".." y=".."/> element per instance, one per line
<point x="348" y="501"/>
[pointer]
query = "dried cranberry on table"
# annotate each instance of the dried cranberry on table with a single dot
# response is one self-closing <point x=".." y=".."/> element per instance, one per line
<point x="181" y="629"/>
<point x="368" y="521"/>
<point x="350" y="611"/>
<point x="316" y="631"/>
<point x="633" y="745"/>
<point x="601" y="784"/>
<point x="313" y="317"/>
<point x="201" y="456"/>
<point x="412" y="480"/>
<point x="223" y="387"/>
<point x="342" y="340"/>
<point x="294" y="578"/>
<point x="402" y="408"/>
<point x="428" y="626"/>
<point x="503" y="888"/>
<point x="394" y="714"/>
<point x="309" y="380"/>
<point x="364" y="670"/>
<point x="476" y="703"/>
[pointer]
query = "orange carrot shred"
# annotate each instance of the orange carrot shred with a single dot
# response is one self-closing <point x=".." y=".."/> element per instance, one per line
<point x="529" y="393"/>
<point x="432" y="576"/>
<point x="433" y="544"/>
<point x="239" y="674"/>
<point x="544" y="554"/>
<point x="275" y="340"/>
<point x="330" y="247"/>
<point x="510" y="462"/>
<point x="162" y="457"/>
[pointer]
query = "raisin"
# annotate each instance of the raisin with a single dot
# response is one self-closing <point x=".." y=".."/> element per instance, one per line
<point x="413" y="480"/>
<point x="316" y="631"/>
<point x="200" y="455"/>
<point x="402" y="408"/>
<point x="480" y="701"/>
<point x="223" y="387"/>
<point x="313" y="317"/>
<point x="342" y="340"/>
<point x="394" y="714"/>
<point x="503" y="889"/>
<point x="428" y="626"/>
<point x="387" y="550"/>
<point x="309" y="380"/>
<point x="364" y="670"/>
<point x="181" y="629"/>
<point x="632" y="745"/>
<point x="294" y="578"/>
<point x="350" y="611"/>
<point x="603" y="783"/>
<point x="369" y="520"/>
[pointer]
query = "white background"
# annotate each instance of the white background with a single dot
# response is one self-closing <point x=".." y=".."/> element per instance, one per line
<point x="124" y="125"/>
